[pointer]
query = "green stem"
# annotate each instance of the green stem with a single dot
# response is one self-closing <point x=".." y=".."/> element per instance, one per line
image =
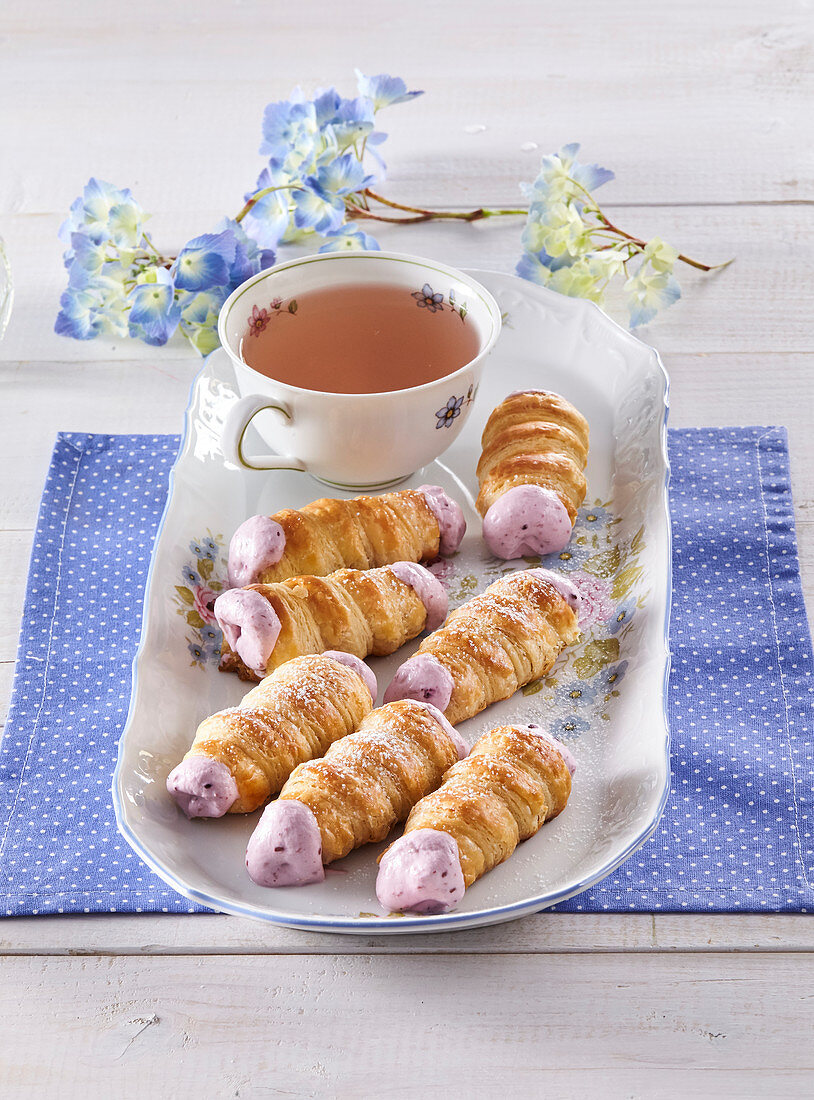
<point x="150" y="244"/>
<point x="262" y="194"/>
<point x="359" y="212"/>
<point x="641" y="244"/>
<point x="429" y="215"/>
<point x="592" y="208"/>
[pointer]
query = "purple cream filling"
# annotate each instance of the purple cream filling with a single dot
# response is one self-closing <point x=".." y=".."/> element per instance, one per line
<point x="258" y="543"/>
<point x="286" y="847"/>
<point x="526" y="520"/>
<point x="428" y="589"/>
<point x="424" y="679"/>
<point x="421" y="873"/>
<point x="563" y="750"/>
<point x="567" y="589"/>
<point x="447" y="511"/>
<point x="202" y="787"/>
<point x="455" y="737"/>
<point x="250" y="625"/>
<point x="359" y="667"/>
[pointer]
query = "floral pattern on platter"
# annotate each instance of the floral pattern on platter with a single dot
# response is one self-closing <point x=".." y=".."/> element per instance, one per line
<point x="427" y="298"/>
<point x="261" y="318"/>
<point x="195" y="598"/>
<point x="584" y="683"/>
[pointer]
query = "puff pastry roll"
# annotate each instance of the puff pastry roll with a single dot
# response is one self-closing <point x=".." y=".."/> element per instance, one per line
<point x="362" y="533"/>
<point x="514" y="780"/>
<point x="535" y="448"/>
<point x="242" y="756"/>
<point x="358" y="611"/>
<point x="363" y="785"/>
<point x="492" y="645"/>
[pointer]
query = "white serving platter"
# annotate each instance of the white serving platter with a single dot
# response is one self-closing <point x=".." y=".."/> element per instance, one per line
<point x="606" y="697"/>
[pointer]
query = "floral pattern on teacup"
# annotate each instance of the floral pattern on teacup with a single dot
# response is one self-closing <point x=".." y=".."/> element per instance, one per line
<point x="260" y="318"/>
<point x="427" y="298"/>
<point x="446" y="415"/>
<point x="195" y="598"/>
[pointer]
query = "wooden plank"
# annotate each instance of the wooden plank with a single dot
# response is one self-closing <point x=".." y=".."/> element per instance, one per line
<point x="708" y="102"/>
<point x="542" y="934"/>
<point x="752" y="307"/>
<point x="732" y="1027"/>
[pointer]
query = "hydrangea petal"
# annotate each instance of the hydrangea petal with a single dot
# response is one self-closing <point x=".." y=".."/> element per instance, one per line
<point x="383" y="90"/>
<point x="313" y="211"/>
<point x="350" y="238"/>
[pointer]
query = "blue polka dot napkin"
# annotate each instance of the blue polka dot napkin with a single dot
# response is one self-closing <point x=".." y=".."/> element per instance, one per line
<point x="736" y="834"/>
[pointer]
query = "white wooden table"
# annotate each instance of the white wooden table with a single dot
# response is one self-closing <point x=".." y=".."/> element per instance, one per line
<point x="704" y="111"/>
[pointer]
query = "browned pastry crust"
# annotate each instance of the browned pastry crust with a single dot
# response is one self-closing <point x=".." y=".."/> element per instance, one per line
<point x="510" y="784"/>
<point x="370" y="780"/>
<point x="534" y="438"/>
<point x="360" y="611"/>
<point x="361" y="533"/>
<point x="292" y="716"/>
<point x="496" y="642"/>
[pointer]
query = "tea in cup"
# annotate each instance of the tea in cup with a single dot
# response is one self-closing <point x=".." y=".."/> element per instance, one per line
<point x="369" y="363"/>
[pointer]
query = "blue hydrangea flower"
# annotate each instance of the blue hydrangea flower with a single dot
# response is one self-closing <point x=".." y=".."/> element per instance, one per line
<point x="622" y="616"/>
<point x="198" y="652"/>
<point x="210" y="549"/>
<point x="647" y="292"/>
<point x="85" y="259"/>
<point x="349" y="238"/>
<point x="590" y="176"/>
<point x="450" y="411"/>
<point x="342" y="176"/>
<point x="326" y="104"/>
<point x="205" y="261"/>
<point x="199" y="319"/>
<point x="531" y="266"/>
<point x="154" y="312"/>
<point x="78" y="315"/>
<point x="383" y="90"/>
<point x="314" y="210"/>
<point x="352" y="121"/>
<point x="124" y="224"/>
<point x="553" y="183"/>
<point x="289" y="127"/>
<point x="90" y="213"/>
<point x="268" y="220"/>
<point x="250" y="255"/>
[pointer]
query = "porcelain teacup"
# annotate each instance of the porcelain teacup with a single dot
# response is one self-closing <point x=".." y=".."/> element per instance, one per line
<point x="352" y="441"/>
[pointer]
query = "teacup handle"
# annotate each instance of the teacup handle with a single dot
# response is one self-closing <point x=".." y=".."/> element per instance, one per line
<point x="236" y="426"/>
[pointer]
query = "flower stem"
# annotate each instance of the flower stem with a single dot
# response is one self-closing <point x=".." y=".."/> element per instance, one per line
<point x="429" y="215"/>
<point x="262" y="194"/>
<point x="641" y="244"/>
<point x="592" y="208"/>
